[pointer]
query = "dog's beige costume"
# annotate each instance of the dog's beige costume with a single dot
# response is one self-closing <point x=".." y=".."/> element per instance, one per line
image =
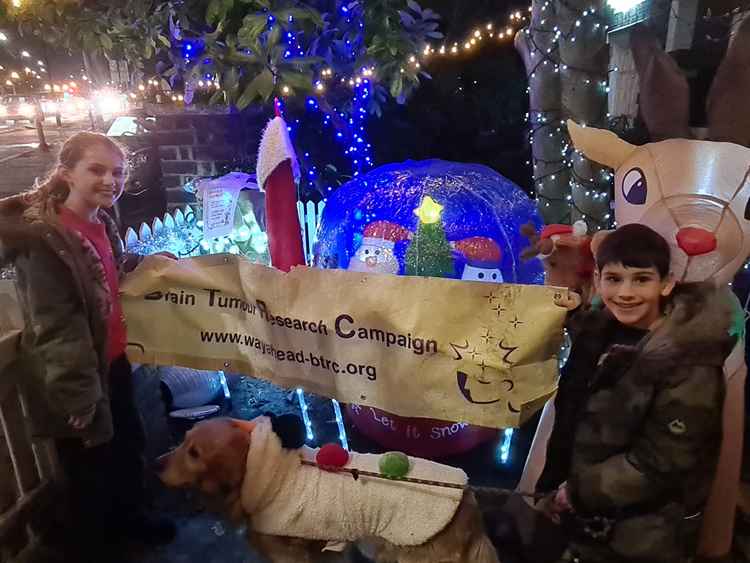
<point x="284" y="497"/>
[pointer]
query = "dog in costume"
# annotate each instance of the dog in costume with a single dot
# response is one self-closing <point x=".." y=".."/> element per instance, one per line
<point x="299" y="501"/>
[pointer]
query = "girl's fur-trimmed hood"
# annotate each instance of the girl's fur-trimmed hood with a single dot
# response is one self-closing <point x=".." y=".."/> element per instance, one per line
<point x="23" y="222"/>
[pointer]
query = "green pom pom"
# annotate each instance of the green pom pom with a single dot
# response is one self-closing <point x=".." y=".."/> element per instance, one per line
<point x="394" y="465"/>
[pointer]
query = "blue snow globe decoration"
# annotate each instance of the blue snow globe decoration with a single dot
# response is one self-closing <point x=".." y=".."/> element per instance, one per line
<point x="368" y="223"/>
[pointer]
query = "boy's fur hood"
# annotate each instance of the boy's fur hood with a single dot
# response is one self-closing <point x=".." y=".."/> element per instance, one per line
<point x="696" y="330"/>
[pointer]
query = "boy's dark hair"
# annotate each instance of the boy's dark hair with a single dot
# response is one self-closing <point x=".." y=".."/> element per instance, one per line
<point x="634" y="246"/>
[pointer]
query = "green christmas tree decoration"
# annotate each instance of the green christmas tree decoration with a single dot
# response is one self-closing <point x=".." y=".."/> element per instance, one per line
<point x="429" y="253"/>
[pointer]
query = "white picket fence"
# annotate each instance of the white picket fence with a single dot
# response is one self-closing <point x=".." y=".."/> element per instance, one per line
<point x="309" y="215"/>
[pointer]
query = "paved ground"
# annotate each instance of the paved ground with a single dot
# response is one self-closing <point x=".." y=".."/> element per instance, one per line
<point x="21" y="160"/>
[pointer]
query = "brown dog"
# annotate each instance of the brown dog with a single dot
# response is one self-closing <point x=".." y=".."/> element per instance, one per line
<point x="214" y="459"/>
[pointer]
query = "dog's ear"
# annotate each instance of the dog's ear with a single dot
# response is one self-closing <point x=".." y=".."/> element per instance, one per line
<point x="244" y="425"/>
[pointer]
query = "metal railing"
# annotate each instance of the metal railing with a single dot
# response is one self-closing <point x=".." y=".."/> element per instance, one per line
<point x="28" y="467"/>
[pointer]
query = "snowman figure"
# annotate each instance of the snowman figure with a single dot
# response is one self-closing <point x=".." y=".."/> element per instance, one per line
<point x="375" y="255"/>
<point x="482" y="259"/>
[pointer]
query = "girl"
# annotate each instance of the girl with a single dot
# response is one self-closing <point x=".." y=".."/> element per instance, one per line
<point x="77" y="380"/>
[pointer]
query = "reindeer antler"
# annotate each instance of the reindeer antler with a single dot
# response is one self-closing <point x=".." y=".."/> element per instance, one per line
<point x="728" y="118"/>
<point x="665" y="93"/>
<point x="538" y="246"/>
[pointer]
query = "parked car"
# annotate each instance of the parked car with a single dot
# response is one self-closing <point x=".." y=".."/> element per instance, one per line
<point x="17" y="108"/>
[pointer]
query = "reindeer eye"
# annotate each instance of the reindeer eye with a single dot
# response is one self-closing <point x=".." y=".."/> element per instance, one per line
<point x="193" y="452"/>
<point x="747" y="210"/>
<point x="634" y="187"/>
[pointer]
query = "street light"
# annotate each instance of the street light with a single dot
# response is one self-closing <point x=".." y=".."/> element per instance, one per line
<point x="8" y="83"/>
<point x="40" y="63"/>
<point x="3" y="37"/>
<point x="14" y="75"/>
<point x="25" y="54"/>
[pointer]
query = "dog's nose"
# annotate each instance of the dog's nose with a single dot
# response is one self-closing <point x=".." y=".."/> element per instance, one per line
<point x="696" y="241"/>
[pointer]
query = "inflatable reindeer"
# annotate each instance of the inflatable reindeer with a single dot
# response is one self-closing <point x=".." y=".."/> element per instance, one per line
<point x="696" y="194"/>
<point x="565" y="252"/>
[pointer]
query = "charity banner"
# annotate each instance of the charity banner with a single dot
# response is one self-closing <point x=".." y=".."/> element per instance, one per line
<point x="484" y="354"/>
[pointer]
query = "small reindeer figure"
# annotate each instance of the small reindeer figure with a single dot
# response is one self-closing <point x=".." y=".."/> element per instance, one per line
<point x="696" y="194"/>
<point x="565" y="252"/>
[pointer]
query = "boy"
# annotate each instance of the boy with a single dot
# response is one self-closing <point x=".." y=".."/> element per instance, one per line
<point x="641" y="395"/>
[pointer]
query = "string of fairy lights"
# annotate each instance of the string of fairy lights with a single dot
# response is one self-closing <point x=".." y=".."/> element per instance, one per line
<point x="588" y="195"/>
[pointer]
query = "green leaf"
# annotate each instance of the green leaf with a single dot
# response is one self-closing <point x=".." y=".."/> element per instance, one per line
<point x="397" y="86"/>
<point x="106" y="42"/>
<point x="164" y="40"/>
<point x="217" y="10"/>
<point x="300" y="14"/>
<point x="274" y="36"/>
<point x="266" y="85"/>
<point x="213" y="12"/>
<point x="261" y="85"/>
<point x="230" y="80"/>
<point x="297" y="80"/>
<point x="217" y="98"/>
<point x="252" y="26"/>
<point x="304" y="61"/>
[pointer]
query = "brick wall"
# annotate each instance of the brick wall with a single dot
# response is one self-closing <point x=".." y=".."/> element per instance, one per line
<point x="195" y="145"/>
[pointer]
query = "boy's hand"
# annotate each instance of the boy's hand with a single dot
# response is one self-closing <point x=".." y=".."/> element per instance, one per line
<point x="570" y="300"/>
<point x="81" y="421"/>
<point x="557" y="503"/>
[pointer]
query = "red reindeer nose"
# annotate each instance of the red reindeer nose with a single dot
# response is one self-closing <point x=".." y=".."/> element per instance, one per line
<point x="695" y="241"/>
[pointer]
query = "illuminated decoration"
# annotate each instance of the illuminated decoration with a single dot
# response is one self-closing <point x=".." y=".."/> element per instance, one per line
<point x="621" y="6"/>
<point x="503" y="450"/>
<point x="567" y="186"/>
<point x="429" y="253"/>
<point x="305" y="415"/>
<point x="382" y="211"/>
<point x="181" y="232"/>
<point x="429" y="211"/>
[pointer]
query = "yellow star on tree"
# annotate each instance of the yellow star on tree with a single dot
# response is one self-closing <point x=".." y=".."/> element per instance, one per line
<point x="428" y="211"/>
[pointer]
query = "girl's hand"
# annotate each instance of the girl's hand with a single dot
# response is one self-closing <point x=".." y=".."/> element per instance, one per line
<point x="81" y="421"/>
<point x="570" y="300"/>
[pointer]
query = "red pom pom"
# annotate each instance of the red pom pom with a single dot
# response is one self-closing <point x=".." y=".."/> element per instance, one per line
<point x="332" y="457"/>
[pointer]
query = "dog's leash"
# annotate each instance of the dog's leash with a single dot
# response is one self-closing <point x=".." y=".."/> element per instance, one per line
<point x="357" y="473"/>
